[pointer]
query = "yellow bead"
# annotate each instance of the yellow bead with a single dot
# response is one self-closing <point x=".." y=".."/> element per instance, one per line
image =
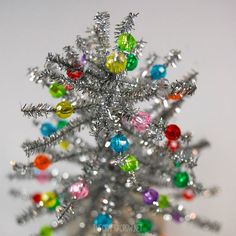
<point x="116" y="62"/>
<point x="64" y="144"/>
<point x="64" y="109"/>
<point x="49" y="199"/>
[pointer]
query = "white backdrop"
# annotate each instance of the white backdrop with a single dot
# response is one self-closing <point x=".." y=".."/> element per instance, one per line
<point x="205" y="31"/>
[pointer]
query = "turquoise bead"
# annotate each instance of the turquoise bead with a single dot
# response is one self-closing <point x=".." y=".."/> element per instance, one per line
<point x="119" y="143"/>
<point x="158" y="72"/>
<point x="103" y="221"/>
<point x="47" y="129"/>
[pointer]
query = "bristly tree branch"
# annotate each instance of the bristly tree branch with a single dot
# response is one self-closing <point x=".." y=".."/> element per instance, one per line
<point x="35" y="111"/>
<point x="41" y="144"/>
<point x="126" y="25"/>
<point x="173" y="57"/>
<point x="187" y="86"/>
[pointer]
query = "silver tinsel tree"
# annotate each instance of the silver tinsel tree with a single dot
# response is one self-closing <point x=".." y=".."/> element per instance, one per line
<point x="141" y="168"/>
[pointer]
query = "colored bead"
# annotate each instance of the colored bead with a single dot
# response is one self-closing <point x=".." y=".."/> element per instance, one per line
<point x="42" y="162"/>
<point x="177" y="217"/>
<point x="163" y="201"/>
<point x="57" y="90"/>
<point x="64" y="144"/>
<point x="64" y="109"/>
<point x="143" y="226"/>
<point x="158" y="72"/>
<point x="130" y="164"/>
<point x="181" y="179"/>
<point x="188" y="194"/>
<point x="49" y="199"/>
<point x="116" y="62"/>
<point x="46" y="231"/>
<point x="68" y="87"/>
<point x="126" y="42"/>
<point x="47" y="129"/>
<point x="132" y="62"/>
<point x="74" y="74"/>
<point x="42" y="176"/>
<point x="62" y="124"/>
<point x="36" y="198"/>
<point x="83" y="59"/>
<point x="175" y="97"/>
<point x="57" y="203"/>
<point x="141" y="121"/>
<point x="177" y="164"/>
<point x="172" y="132"/>
<point x="172" y="145"/>
<point x="119" y="143"/>
<point x="103" y="221"/>
<point x="150" y="196"/>
<point x="79" y="190"/>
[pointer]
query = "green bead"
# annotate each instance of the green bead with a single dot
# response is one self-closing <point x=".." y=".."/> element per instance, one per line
<point x="163" y="201"/>
<point x="130" y="164"/>
<point x="126" y="42"/>
<point x="132" y="62"/>
<point x="177" y="164"/>
<point x="180" y="179"/>
<point x="46" y="231"/>
<point x="62" y="124"/>
<point x="116" y="62"/>
<point x="57" y="90"/>
<point x="64" y="109"/>
<point x="143" y="226"/>
<point x="57" y="203"/>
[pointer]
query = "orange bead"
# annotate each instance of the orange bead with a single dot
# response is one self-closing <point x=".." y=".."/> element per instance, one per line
<point x="42" y="162"/>
<point x="175" y="97"/>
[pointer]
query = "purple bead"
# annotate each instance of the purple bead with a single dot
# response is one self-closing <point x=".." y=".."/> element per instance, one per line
<point x="83" y="59"/>
<point x="150" y="196"/>
<point x="177" y="217"/>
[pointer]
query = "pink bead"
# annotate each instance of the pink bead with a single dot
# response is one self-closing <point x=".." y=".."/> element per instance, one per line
<point x="42" y="177"/>
<point x="141" y="121"/>
<point x="79" y="190"/>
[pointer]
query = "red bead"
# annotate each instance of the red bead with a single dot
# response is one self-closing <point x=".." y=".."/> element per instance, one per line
<point x="172" y="132"/>
<point x="42" y="162"/>
<point x="68" y="87"/>
<point x="36" y="198"/>
<point x="74" y="74"/>
<point x="188" y="194"/>
<point x="172" y="145"/>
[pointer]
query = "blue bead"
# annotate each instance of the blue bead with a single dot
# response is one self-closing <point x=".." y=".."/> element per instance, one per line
<point x="158" y="72"/>
<point x="119" y="143"/>
<point x="47" y="129"/>
<point x="103" y="221"/>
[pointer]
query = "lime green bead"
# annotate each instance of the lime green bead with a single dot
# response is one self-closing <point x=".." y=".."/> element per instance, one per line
<point x="180" y="179"/>
<point x="130" y="164"/>
<point x="49" y="199"/>
<point x="62" y="124"/>
<point x="126" y="42"/>
<point x="163" y="201"/>
<point x="57" y="90"/>
<point x="132" y="62"/>
<point x="64" y="109"/>
<point x="46" y="231"/>
<point x="143" y="226"/>
<point x="116" y="62"/>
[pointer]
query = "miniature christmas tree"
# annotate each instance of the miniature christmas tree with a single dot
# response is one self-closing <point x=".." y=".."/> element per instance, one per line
<point x="140" y="165"/>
